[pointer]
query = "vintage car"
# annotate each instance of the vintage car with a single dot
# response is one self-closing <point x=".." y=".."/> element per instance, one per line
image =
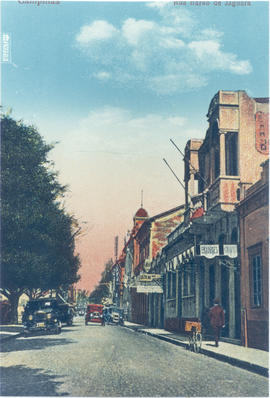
<point x="66" y="313"/>
<point x="114" y="315"/>
<point x="94" y="313"/>
<point x="81" y="311"/>
<point x="42" y="315"/>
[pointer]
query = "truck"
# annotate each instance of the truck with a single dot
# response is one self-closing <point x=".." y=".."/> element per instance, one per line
<point x="94" y="313"/>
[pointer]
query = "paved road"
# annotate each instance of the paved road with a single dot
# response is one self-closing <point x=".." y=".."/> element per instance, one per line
<point x="114" y="361"/>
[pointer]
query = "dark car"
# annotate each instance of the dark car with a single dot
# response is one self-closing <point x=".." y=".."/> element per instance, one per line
<point x="66" y="313"/>
<point x="42" y="315"/>
<point x="114" y="315"/>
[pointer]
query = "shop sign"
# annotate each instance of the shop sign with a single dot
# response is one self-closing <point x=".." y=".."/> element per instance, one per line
<point x="149" y="289"/>
<point x="262" y="133"/>
<point x="209" y="251"/>
<point x="230" y="251"/>
<point x="149" y="277"/>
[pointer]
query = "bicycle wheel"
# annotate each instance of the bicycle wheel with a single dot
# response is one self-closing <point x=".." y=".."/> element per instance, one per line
<point x="190" y="343"/>
<point x="198" y="342"/>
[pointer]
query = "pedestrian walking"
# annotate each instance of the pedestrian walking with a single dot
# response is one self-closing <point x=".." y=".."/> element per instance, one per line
<point x="217" y="319"/>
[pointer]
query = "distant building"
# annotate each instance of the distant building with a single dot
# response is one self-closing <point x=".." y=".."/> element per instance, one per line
<point x="150" y="239"/>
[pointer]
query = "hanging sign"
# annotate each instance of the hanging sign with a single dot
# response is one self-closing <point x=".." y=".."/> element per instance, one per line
<point x="230" y="251"/>
<point x="209" y="251"/>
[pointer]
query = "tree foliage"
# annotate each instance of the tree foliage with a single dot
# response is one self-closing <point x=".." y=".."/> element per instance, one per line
<point x="102" y="290"/>
<point x="82" y="298"/>
<point x="37" y="233"/>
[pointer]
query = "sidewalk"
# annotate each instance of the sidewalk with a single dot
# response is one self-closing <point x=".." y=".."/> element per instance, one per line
<point x="251" y="359"/>
<point x="10" y="331"/>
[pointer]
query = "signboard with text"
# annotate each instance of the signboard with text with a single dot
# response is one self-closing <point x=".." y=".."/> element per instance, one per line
<point x="149" y="289"/>
<point x="149" y="277"/>
<point x="209" y="251"/>
<point x="230" y="251"/>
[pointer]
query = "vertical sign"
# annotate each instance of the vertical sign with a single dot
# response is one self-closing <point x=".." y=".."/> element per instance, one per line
<point x="262" y="133"/>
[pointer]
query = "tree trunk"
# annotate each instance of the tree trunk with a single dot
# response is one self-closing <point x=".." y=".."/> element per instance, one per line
<point x="14" y="301"/>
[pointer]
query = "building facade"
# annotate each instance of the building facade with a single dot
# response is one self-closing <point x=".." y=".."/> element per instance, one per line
<point x="149" y="240"/>
<point x="253" y="212"/>
<point x="201" y="259"/>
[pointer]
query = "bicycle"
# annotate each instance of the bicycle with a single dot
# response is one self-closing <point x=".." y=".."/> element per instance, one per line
<point x="195" y="336"/>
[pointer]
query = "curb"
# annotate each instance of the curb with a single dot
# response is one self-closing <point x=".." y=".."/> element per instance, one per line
<point x="13" y="336"/>
<point x="232" y="361"/>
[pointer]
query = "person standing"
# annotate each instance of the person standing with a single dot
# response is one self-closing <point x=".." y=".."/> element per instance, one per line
<point x="217" y="319"/>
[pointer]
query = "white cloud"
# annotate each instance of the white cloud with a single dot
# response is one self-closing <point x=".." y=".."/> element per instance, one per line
<point x="212" y="57"/>
<point x="210" y="33"/>
<point x="175" y="55"/>
<point x="133" y="31"/>
<point x="177" y="82"/>
<point x="102" y="75"/>
<point x="171" y="42"/>
<point x="157" y="4"/>
<point x="118" y="131"/>
<point x="98" y="30"/>
<point x="240" y="67"/>
<point x="204" y="48"/>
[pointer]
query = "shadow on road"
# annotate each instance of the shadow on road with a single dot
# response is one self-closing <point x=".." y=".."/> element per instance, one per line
<point x="23" y="381"/>
<point x="11" y="328"/>
<point x="35" y="343"/>
<point x="97" y="325"/>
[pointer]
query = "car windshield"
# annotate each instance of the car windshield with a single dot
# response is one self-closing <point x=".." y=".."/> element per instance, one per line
<point x="40" y="305"/>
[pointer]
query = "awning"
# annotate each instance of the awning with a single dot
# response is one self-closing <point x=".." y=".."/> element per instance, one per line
<point x="210" y="217"/>
<point x="182" y="258"/>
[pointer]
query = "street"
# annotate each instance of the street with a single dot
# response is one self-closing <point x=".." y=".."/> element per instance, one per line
<point x="115" y="361"/>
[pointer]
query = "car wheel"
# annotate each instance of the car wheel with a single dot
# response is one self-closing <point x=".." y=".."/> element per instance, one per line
<point x="58" y="328"/>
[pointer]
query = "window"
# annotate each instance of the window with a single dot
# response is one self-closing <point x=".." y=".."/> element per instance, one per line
<point x="174" y="284"/>
<point x="217" y="163"/>
<point x="216" y="144"/>
<point x="171" y="283"/>
<point x="188" y="281"/>
<point x="256" y="280"/>
<point x="185" y="283"/>
<point x="231" y="144"/>
<point x="168" y="284"/>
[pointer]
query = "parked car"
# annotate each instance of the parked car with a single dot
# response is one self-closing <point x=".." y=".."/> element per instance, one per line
<point x="66" y="313"/>
<point x="81" y="311"/>
<point x="94" y="313"/>
<point x="42" y="315"/>
<point x="114" y="315"/>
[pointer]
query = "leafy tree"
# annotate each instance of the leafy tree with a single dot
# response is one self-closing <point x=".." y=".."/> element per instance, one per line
<point x="38" y="235"/>
<point x="102" y="290"/>
<point x="82" y="298"/>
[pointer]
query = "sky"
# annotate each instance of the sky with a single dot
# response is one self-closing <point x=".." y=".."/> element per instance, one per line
<point x="111" y="83"/>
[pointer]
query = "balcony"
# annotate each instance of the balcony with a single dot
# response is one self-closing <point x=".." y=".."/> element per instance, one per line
<point x="223" y="193"/>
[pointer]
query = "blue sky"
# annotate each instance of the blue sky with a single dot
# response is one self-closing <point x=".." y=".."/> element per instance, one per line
<point x="112" y="82"/>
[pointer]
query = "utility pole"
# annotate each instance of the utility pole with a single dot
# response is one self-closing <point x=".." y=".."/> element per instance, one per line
<point x="116" y="248"/>
<point x="180" y="182"/>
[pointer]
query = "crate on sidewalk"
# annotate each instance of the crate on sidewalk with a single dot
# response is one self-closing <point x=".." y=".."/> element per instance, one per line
<point x="190" y="325"/>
